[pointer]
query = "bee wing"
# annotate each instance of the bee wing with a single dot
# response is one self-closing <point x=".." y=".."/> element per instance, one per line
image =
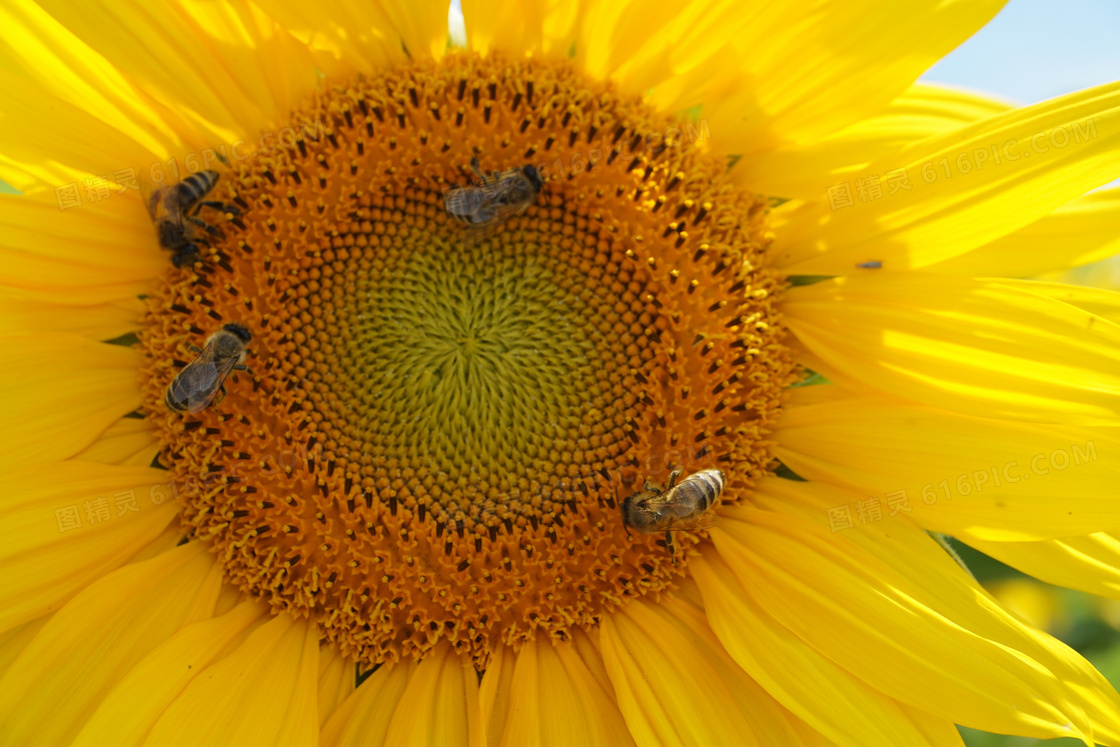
<point x="190" y="387"/>
<point x="473" y="198"/>
<point x="706" y="520"/>
<point x="199" y="382"/>
<point x="151" y="196"/>
<point x="508" y="186"/>
<point x="156" y="201"/>
<point x="458" y="201"/>
<point x="499" y="214"/>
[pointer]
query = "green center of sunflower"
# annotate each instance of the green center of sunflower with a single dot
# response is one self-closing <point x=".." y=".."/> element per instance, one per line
<point x="437" y="428"/>
<point x="472" y="358"/>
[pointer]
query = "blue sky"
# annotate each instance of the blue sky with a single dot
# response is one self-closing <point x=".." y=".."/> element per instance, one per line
<point x="1036" y="49"/>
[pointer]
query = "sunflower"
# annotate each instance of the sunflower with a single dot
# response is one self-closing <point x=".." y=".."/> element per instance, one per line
<point x="758" y="247"/>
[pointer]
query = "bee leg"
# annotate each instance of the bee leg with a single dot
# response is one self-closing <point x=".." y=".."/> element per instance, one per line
<point x="673" y="477"/>
<point x="672" y="548"/>
<point x="221" y="206"/>
<point x="212" y="230"/>
<point x="221" y="395"/>
<point x="477" y="170"/>
<point x="153" y="201"/>
<point x="194" y="349"/>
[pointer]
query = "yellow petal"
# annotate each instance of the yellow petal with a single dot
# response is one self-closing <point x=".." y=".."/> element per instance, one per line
<point x="676" y="685"/>
<point x="448" y="686"/>
<point x="1035" y="603"/>
<point x="1102" y="302"/>
<point x="1102" y="274"/>
<point x="104" y="251"/>
<point x="555" y="700"/>
<point x="336" y="680"/>
<point x="536" y="26"/>
<point x="171" y="537"/>
<point x="973" y="346"/>
<point x="504" y="23"/>
<point x="231" y="70"/>
<point x="602" y="45"/>
<point x="60" y="391"/>
<point x="937" y="731"/>
<point x="1084" y="230"/>
<point x="129" y="711"/>
<point x="58" y="141"/>
<point x="130" y="442"/>
<point x="17" y="178"/>
<point x="666" y="51"/>
<point x="14" y="641"/>
<point x="21" y="315"/>
<point x="52" y="64"/>
<point x="97" y="637"/>
<point x="968" y="188"/>
<point x="1090" y="564"/>
<point x="829" y="698"/>
<point x="363" y="718"/>
<point x="263" y="693"/>
<point x="770" y="721"/>
<point x="806" y="73"/>
<point x="588" y="648"/>
<point x="358" y="36"/>
<point x="808" y="170"/>
<point x="993" y="479"/>
<point x="844" y="385"/>
<point x="810" y="737"/>
<point x="886" y="602"/>
<point x="495" y="692"/>
<point x="49" y="546"/>
<point x="422" y="26"/>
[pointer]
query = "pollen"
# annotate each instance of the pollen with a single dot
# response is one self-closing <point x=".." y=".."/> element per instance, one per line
<point x="436" y="428"/>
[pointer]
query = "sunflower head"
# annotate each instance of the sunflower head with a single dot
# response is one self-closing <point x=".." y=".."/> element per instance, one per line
<point x="454" y="358"/>
<point x="438" y="428"/>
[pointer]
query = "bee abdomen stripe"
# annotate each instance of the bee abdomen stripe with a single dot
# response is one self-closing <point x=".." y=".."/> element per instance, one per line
<point x="171" y="402"/>
<point x="709" y="483"/>
<point x="197" y="185"/>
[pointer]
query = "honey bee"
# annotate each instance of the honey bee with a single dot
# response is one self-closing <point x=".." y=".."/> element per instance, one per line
<point x="499" y="197"/>
<point x="196" y="386"/>
<point x="679" y="507"/>
<point x="174" y="210"/>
